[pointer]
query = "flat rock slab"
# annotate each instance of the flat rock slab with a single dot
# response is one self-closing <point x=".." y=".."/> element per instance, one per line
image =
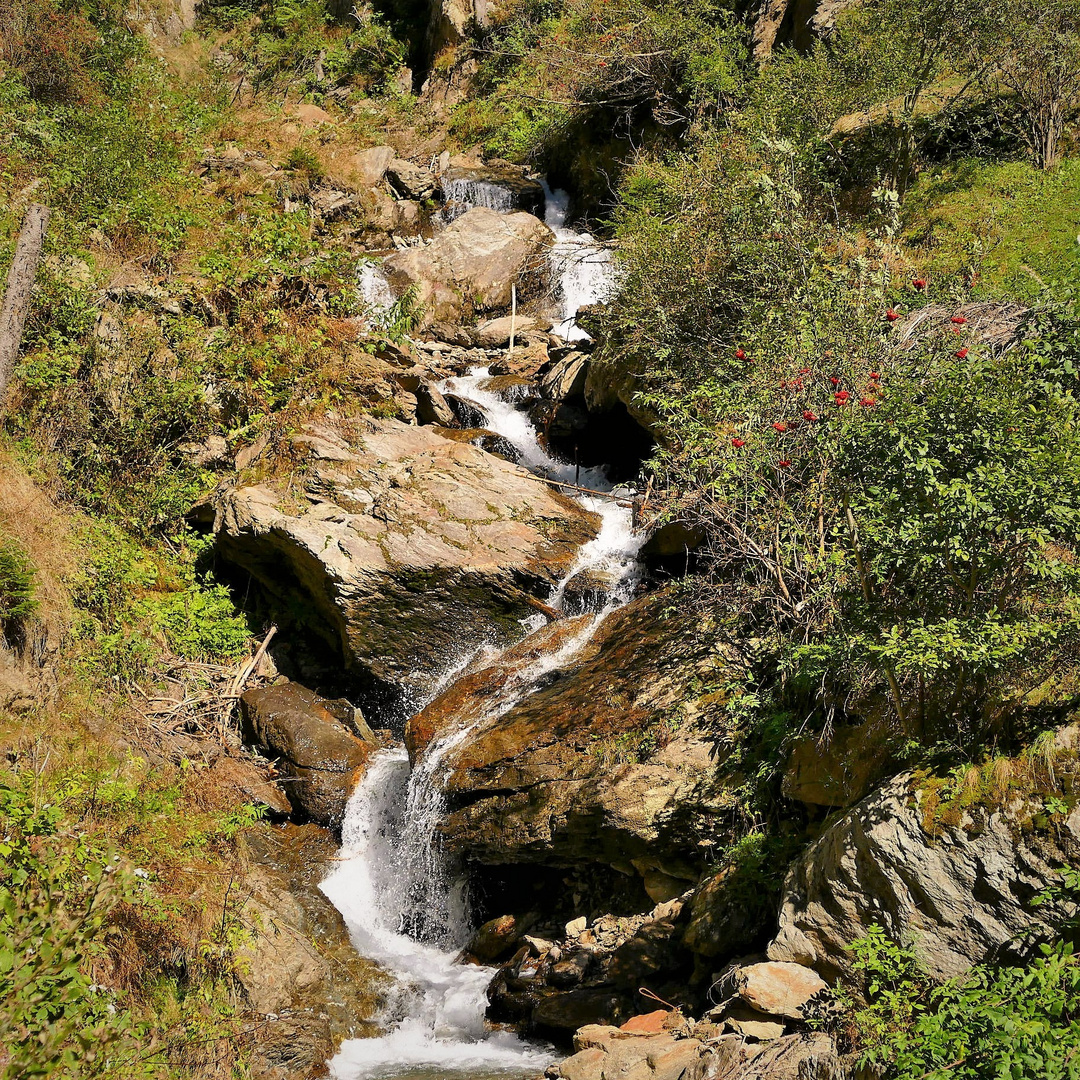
<point x="780" y="989"/>
<point x="402" y="549"/>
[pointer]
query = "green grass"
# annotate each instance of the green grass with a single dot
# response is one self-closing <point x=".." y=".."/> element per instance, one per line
<point x="1016" y="225"/>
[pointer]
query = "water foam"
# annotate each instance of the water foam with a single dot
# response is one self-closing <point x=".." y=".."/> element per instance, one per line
<point x="583" y="267"/>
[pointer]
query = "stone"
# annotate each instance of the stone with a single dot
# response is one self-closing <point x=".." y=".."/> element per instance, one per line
<point x="311" y="115"/>
<point x="409" y="180"/>
<point x="504" y="187"/>
<point x="481" y="685"/>
<point x="652" y="1023"/>
<point x="789" y="22"/>
<point x="961" y="897"/>
<point x="584" y="1065"/>
<point x="251" y="785"/>
<point x="432" y="407"/>
<point x="495" y="333"/>
<point x="130" y="285"/>
<point x="569" y="1011"/>
<point x="397" y="549"/>
<point x="566" y="377"/>
<point x="298" y="969"/>
<point x="840" y="770"/>
<point x="576" y="926"/>
<point x="495" y="938"/>
<point x="676" y="1063"/>
<point x="543" y="782"/>
<point x="674" y="538"/>
<point x="318" y="758"/>
<point x="368" y="167"/>
<point x="473" y="264"/>
<point x="780" y="989"/>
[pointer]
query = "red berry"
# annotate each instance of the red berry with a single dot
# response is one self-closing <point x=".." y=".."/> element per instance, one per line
<point x="784" y="464"/>
<point x="919" y="283"/>
<point x="959" y="320"/>
<point x="804" y="371"/>
<point x="875" y="375"/>
<point x="867" y="402"/>
<point x="739" y="354"/>
<point x="841" y="396"/>
<point x="808" y="415"/>
<point x="891" y="315"/>
<point x="738" y="443"/>
<point x="834" y="380"/>
<point x="780" y="426"/>
<point x="961" y="354"/>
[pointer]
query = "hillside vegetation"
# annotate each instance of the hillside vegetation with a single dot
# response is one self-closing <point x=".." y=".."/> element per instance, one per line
<point x="847" y="308"/>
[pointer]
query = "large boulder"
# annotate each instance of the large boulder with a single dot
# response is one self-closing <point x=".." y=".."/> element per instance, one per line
<point x="960" y="897"/>
<point x="402" y="550"/>
<point x="611" y="762"/>
<point x="474" y="263"/>
<point x="320" y="747"/>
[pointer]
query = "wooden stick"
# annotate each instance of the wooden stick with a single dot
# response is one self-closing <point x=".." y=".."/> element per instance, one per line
<point x="576" y="487"/>
<point x="513" y="314"/>
<point x="20" y="284"/>
<point x="237" y="687"/>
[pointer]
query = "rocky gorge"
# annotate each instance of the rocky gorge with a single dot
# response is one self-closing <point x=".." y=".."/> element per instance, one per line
<point x="538" y="553"/>
<point x="568" y="747"/>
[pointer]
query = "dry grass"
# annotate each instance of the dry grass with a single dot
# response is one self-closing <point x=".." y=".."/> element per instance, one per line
<point x="44" y="531"/>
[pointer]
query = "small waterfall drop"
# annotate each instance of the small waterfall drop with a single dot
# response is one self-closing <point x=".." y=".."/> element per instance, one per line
<point x="374" y="290"/>
<point x="462" y="195"/>
<point x="583" y="267"/>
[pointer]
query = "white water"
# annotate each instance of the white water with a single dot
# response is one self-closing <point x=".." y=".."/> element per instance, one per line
<point x="400" y="897"/>
<point x="463" y="195"/>
<point x="583" y="267"/>
<point x="374" y="290"/>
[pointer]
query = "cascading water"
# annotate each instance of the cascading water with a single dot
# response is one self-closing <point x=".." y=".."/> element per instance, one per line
<point x="583" y="267"/>
<point x="462" y="195"/>
<point x="401" y="900"/>
<point x="374" y="290"/>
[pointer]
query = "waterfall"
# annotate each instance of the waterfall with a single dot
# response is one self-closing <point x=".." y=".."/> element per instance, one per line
<point x="399" y="894"/>
<point x="374" y="290"/>
<point x="583" y="268"/>
<point x="462" y="195"/>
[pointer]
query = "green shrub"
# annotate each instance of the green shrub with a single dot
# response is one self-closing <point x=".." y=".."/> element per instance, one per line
<point x="996" y="1023"/>
<point x="199" y="623"/>
<point x="17" y="574"/>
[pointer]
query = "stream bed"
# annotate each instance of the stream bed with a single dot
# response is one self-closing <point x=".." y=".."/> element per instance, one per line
<point x="402" y="899"/>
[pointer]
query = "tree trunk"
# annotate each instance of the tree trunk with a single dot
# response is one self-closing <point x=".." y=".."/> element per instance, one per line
<point x="20" y="282"/>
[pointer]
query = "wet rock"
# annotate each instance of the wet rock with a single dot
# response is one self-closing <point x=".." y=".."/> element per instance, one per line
<point x="318" y="755"/>
<point x="961" y="897"/>
<point x="505" y="188"/>
<point x="566" y="377"/>
<point x="432" y="407"/>
<point x="485" y="685"/>
<point x="401" y="548"/>
<point x="496" y="938"/>
<point x="473" y="263"/>
<point x="582" y="771"/>
<point x="780" y="989"/>
<point x="525" y="360"/>
<point x="298" y="970"/>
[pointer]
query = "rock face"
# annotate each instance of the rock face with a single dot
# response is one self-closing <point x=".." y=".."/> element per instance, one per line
<point x="792" y="22"/>
<point x="320" y="748"/>
<point x="298" y="971"/>
<point x="960" y="898"/>
<point x="473" y="263"/>
<point x="401" y="548"/>
<point x="595" y="767"/>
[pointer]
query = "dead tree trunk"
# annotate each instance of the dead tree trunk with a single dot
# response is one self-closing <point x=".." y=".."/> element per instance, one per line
<point x="20" y="282"/>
